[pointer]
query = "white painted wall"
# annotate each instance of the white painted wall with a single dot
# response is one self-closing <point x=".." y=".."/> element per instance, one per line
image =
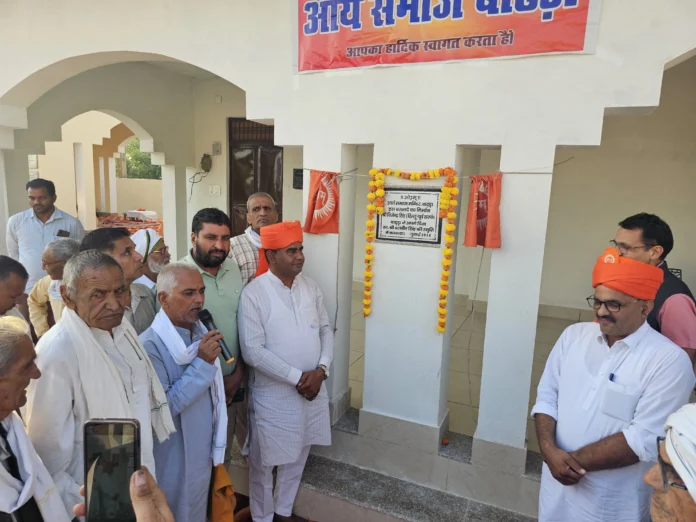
<point x="57" y="164"/>
<point x="139" y="193"/>
<point x="210" y="125"/>
<point x="644" y="164"/>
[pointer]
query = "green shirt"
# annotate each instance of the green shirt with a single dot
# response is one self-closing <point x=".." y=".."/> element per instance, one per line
<point x="222" y="300"/>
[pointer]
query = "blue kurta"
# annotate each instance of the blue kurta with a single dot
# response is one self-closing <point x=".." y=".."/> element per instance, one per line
<point x="184" y="461"/>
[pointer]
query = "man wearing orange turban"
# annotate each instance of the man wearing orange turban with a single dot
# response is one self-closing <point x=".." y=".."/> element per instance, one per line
<point x="603" y="399"/>
<point x="287" y="342"/>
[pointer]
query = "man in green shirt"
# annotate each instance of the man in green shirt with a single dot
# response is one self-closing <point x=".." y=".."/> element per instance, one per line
<point x="210" y="242"/>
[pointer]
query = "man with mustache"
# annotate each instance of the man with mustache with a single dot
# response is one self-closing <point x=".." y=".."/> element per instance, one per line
<point x="674" y="475"/>
<point x="605" y="394"/>
<point x="150" y="245"/>
<point x="185" y="356"/>
<point x="118" y="244"/>
<point x="30" y="231"/>
<point x="210" y="242"/>
<point x="93" y="366"/>
<point x="287" y="341"/>
<point x="244" y="249"/>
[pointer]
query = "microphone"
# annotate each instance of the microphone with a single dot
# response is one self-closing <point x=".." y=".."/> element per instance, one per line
<point x="207" y="319"/>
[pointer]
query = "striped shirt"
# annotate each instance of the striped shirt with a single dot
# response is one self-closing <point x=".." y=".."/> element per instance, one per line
<point x="27" y="236"/>
<point x="246" y="255"/>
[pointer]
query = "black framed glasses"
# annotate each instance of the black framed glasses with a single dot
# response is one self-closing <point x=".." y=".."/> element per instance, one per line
<point x="612" y="306"/>
<point x="625" y="249"/>
<point x="664" y="468"/>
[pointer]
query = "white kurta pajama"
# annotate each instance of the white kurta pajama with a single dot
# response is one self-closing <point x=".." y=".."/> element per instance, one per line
<point x="594" y="391"/>
<point x="283" y="332"/>
<point x="88" y="374"/>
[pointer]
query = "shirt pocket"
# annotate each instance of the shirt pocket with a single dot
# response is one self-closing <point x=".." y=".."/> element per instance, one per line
<point x="310" y="314"/>
<point x="620" y="401"/>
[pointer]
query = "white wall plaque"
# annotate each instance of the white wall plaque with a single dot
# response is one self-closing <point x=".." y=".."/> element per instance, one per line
<point x="410" y="216"/>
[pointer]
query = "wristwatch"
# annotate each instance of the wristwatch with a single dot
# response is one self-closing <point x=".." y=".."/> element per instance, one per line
<point x="326" y="370"/>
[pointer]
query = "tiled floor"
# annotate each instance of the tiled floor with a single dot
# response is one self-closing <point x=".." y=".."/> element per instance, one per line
<point x="466" y="361"/>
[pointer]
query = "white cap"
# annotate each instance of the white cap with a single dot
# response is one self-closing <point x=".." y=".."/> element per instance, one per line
<point x="680" y="445"/>
<point x="140" y="238"/>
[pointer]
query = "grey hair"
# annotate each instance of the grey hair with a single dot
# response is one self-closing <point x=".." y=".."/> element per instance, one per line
<point x="63" y="248"/>
<point x="12" y="330"/>
<point x="260" y="195"/>
<point x="87" y="260"/>
<point x="167" y="278"/>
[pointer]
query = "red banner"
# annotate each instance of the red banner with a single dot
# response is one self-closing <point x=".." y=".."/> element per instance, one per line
<point x="338" y="34"/>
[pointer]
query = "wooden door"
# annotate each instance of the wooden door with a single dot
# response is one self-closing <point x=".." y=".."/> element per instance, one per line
<point x="256" y="165"/>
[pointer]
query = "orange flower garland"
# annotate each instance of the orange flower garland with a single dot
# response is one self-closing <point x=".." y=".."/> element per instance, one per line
<point x="448" y="203"/>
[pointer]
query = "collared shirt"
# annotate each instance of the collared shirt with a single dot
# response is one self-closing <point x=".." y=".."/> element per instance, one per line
<point x="141" y="312"/>
<point x="145" y="281"/>
<point x="246" y="254"/>
<point x="595" y="391"/>
<point x="222" y="300"/>
<point x="38" y="302"/>
<point x="27" y="236"/>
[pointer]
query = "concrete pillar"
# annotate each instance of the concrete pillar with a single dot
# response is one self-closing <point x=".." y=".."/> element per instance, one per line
<point x="4" y="212"/>
<point x="176" y="229"/>
<point x="113" y="189"/>
<point x="329" y="261"/>
<point x="513" y="304"/>
<point x="405" y="383"/>
<point x="102" y="186"/>
<point x="84" y="185"/>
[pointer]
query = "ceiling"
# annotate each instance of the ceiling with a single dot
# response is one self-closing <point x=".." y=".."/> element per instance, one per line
<point x="184" y="69"/>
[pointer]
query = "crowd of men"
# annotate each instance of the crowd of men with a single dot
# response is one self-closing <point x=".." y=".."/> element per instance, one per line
<point x="118" y="334"/>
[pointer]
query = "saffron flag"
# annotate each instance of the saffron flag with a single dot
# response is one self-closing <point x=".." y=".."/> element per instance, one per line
<point x="483" y="214"/>
<point x="322" y="208"/>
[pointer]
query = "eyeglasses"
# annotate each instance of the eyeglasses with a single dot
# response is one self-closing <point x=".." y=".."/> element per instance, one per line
<point x="45" y="265"/>
<point x="625" y="249"/>
<point x="664" y="468"/>
<point x="611" y="306"/>
<point x="162" y="250"/>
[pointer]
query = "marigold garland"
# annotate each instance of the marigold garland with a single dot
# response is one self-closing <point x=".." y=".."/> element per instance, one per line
<point x="448" y="203"/>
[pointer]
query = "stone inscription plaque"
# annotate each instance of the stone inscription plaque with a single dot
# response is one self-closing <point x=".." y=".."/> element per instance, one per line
<point x="410" y="216"/>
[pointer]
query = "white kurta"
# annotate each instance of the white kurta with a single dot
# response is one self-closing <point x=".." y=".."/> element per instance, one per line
<point x="57" y="408"/>
<point x="594" y="391"/>
<point x="284" y="332"/>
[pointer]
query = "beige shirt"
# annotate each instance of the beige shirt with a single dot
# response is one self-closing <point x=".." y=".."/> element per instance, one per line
<point x="38" y="301"/>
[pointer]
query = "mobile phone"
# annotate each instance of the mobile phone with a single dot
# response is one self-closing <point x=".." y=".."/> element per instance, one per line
<point x="112" y="455"/>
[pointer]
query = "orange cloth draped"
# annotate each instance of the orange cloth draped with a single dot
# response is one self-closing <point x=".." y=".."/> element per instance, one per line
<point x="639" y="280"/>
<point x="483" y="213"/>
<point x="322" y="208"/>
<point x="222" y="500"/>
<point x="275" y="237"/>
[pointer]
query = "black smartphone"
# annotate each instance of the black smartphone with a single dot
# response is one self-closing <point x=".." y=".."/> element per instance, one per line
<point x="112" y="455"/>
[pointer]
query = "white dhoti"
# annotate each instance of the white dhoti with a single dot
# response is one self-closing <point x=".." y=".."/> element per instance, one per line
<point x="283" y="332"/>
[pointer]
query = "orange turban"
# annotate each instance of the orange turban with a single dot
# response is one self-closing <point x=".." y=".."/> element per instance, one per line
<point x="639" y="280"/>
<point x="275" y="237"/>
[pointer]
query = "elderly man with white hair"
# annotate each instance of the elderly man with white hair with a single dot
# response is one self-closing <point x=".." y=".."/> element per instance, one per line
<point x="150" y="245"/>
<point x="674" y="475"/>
<point x="27" y="491"/>
<point x="93" y="366"/>
<point x="185" y="356"/>
<point x="245" y="248"/>
<point x="47" y="290"/>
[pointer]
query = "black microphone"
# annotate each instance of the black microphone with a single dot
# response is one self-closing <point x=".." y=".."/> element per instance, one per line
<point x="207" y="319"/>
